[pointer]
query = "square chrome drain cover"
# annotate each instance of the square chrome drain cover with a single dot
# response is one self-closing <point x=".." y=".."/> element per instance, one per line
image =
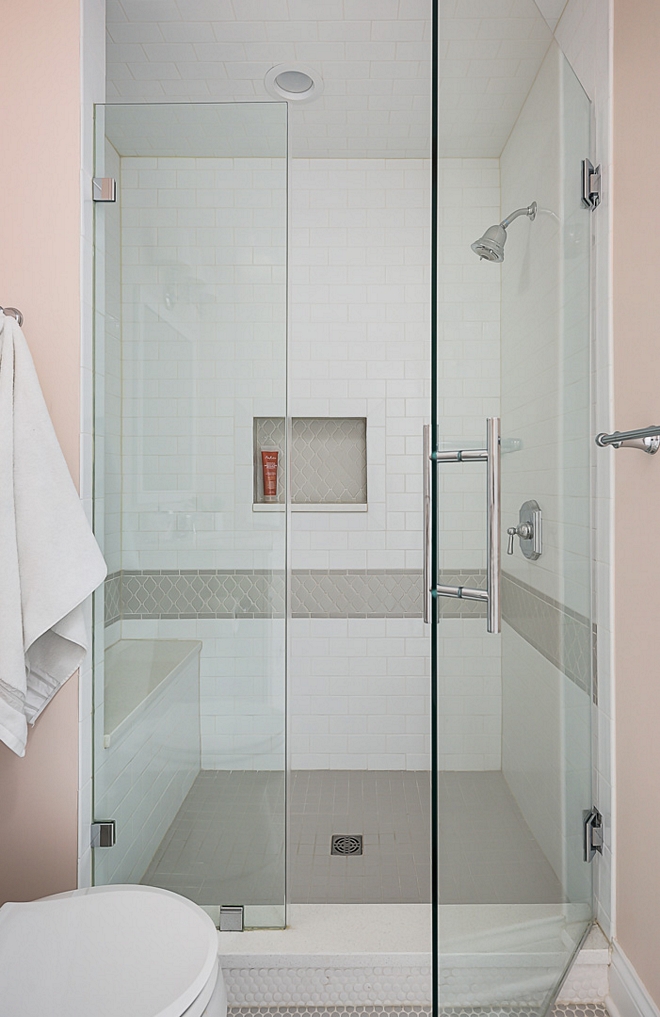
<point x="346" y="844"/>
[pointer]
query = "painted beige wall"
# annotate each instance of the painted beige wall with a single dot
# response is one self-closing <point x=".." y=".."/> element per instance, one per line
<point x="637" y="487"/>
<point x="40" y="273"/>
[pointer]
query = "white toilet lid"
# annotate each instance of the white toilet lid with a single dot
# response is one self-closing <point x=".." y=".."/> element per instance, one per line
<point x="112" y="951"/>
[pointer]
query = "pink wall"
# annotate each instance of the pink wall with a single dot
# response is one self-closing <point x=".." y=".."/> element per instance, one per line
<point x="637" y="493"/>
<point x="40" y="273"/>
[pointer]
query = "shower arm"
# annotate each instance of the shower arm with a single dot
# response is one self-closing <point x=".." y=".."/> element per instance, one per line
<point x="530" y="211"/>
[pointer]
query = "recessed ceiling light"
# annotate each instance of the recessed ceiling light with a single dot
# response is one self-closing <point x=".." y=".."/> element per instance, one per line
<point x="293" y="82"/>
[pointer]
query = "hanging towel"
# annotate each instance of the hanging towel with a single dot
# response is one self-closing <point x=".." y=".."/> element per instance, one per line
<point x="49" y="559"/>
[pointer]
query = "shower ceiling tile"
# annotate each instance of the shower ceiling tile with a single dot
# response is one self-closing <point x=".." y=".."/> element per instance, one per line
<point x="373" y="56"/>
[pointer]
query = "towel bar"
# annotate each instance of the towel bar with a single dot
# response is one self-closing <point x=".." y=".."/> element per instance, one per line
<point x="645" y="438"/>
<point x="13" y="312"/>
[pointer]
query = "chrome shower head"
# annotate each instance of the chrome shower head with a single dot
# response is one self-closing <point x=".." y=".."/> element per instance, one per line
<point x="490" y="247"/>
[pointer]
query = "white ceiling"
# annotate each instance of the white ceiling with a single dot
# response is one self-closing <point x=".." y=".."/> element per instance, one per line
<point x="373" y="55"/>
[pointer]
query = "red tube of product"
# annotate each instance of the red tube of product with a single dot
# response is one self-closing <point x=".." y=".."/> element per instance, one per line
<point x="269" y="459"/>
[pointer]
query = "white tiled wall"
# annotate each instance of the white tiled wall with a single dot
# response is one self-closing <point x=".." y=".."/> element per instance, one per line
<point x="359" y="694"/>
<point x="202" y="352"/>
<point x="204" y="304"/>
<point x="469" y="391"/>
<point x="546" y="331"/>
<point x="359" y="345"/>
<point x="469" y="696"/>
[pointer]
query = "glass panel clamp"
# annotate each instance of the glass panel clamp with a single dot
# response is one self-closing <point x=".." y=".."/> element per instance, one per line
<point x="231" y="918"/>
<point x="104" y="833"/>
<point x="593" y="833"/>
<point x="104" y="189"/>
<point x="591" y="185"/>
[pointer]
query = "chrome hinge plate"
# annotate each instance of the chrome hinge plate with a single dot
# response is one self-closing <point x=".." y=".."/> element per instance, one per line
<point x="104" y="189"/>
<point x="593" y="833"/>
<point x="591" y="184"/>
<point x="231" y="918"/>
<point x="103" y="833"/>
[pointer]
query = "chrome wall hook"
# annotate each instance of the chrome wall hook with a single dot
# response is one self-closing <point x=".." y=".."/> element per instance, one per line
<point x="13" y="312"/>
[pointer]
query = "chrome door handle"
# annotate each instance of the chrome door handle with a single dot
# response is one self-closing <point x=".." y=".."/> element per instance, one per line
<point x="428" y="564"/>
<point x="491" y="456"/>
<point x="493" y="547"/>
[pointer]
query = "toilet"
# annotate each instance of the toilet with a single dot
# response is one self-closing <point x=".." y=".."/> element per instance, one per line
<point x="110" y="951"/>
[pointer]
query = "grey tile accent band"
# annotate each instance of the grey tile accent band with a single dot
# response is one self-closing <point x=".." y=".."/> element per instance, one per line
<point x="259" y="593"/>
<point x="563" y="636"/>
<point x="202" y="593"/>
<point x="112" y="605"/>
<point x="375" y="593"/>
<point x="356" y="593"/>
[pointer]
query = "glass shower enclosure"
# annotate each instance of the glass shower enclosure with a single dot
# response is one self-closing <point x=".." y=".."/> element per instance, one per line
<point x="513" y="670"/>
<point x="190" y="386"/>
<point x="261" y="663"/>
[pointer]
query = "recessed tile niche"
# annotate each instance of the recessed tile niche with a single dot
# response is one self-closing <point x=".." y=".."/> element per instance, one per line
<point x="328" y="462"/>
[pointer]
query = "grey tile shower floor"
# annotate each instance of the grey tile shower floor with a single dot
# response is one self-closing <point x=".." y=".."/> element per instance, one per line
<point x="225" y="846"/>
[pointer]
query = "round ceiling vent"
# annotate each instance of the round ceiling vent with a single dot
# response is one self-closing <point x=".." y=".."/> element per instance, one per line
<point x="293" y="82"/>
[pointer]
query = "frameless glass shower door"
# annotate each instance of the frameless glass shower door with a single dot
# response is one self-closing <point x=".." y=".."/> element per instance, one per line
<point x="513" y="727"/>
<point x="189" y="640"/>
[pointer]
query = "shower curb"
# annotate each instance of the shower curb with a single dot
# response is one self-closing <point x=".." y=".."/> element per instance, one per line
<point x="399" y="979"/>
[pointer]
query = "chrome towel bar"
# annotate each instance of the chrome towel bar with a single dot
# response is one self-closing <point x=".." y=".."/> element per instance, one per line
<point x="645" y="438"/>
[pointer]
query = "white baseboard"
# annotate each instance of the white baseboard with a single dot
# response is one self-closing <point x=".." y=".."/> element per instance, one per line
<point x="628" y="996"/>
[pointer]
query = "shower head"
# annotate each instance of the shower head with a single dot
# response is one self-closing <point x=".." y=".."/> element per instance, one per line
<point x="490" y="247"/>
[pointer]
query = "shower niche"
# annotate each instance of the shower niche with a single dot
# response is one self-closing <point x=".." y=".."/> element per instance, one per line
<point x="328" y="463"/>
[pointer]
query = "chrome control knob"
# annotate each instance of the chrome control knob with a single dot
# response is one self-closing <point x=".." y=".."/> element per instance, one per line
<point x="523" y="530"/>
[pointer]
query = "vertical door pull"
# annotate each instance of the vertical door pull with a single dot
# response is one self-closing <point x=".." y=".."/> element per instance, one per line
<point x="428" y="570"/>
<point x="491" y="456"/>
<point x="493" y="547"/>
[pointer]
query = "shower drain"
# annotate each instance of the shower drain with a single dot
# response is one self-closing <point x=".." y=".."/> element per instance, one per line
<point x="346" y="844"/>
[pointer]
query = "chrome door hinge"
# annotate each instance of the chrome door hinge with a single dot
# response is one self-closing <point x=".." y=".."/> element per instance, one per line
<point x="104" y="189"/>
<point x="593" y="833"/>
<point x="591" y="185"/>
<point x="103" y="833"/>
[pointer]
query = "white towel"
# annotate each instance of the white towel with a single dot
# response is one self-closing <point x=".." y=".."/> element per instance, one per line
<point x="49" y="559"/>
